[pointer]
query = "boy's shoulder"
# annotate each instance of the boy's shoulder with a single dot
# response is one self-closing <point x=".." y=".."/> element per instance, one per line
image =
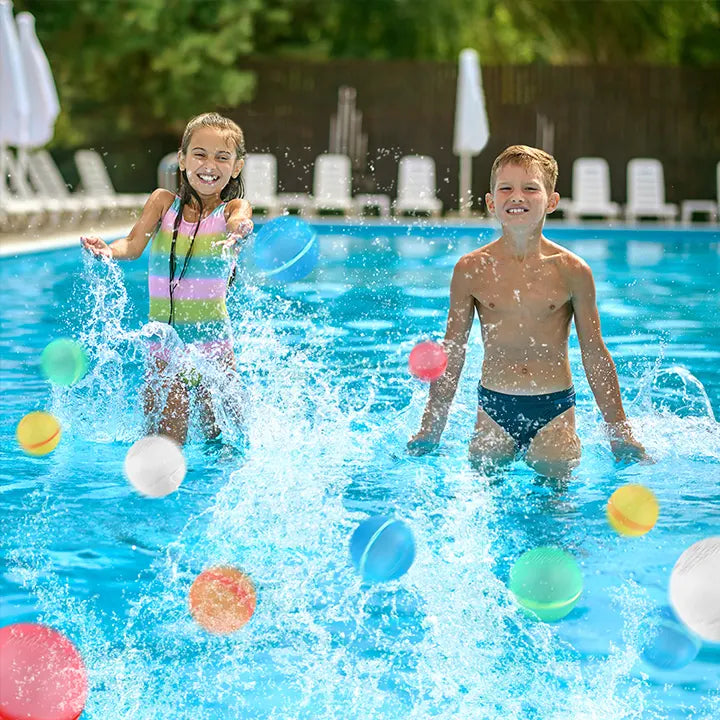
<point x="566" y="260"/>
<point x="476" y="259"/>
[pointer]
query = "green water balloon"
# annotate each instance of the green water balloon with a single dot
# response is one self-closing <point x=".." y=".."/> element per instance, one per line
<point x="64" y="361"/>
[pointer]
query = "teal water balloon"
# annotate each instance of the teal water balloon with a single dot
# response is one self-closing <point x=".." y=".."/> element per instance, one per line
<point x="64" y="362"/>
<point x="546" y="582"/>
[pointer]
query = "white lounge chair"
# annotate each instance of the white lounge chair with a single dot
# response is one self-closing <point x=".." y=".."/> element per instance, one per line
<point x="332" y="183"/>
<point x="19" y="213"/>
<point x="646" y="191"/>
<point x="590" y="190"/>
<point x="167" y="172"/>
<point x="711" y="208"/>
<point x="96" y="182"/>
<point x="20" y="206"/>
<point x="49" y="182"/>
<point x="259" y="176"/>
<point x="416" y="186"/>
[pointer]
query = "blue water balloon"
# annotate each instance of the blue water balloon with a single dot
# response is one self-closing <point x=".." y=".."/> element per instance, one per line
<point x="286" y="249"/>
<point x="670" y="646"/>
<point x="382" y="548"/>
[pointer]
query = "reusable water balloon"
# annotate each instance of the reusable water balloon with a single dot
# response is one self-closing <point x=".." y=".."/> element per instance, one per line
<point x="670" y="646"/>
<point x="547" y="582"/>
<point x="64" y="361"/>
<point x="428" y="361"/>
<point x="38" y="433"/>
<point x="42" y="676"/>
<point x="632" y="510"/>
<point x="286" y="249"/>
<point x="222" y="600"/>
<point x="382" y="548"/>
<point x="155" y="466"/>
<point x="695" y="588"/>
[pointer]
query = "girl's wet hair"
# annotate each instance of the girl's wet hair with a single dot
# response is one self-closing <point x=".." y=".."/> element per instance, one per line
<point x="234" y="188"/>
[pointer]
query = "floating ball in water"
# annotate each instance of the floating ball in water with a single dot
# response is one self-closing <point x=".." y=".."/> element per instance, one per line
<point x="632" y="510"/>
<point x="428" y="361"/>
<point x="38" y="433"/>
<point x="382" y="548"/>
<point x="222" y="600"/>
<point x="670" y="646"/>
<point x="695" y="588"/>
<point x="155" y="466"/>
<point x="42" y="676"/>
<point x="64" y="361"/>
<point x="286" y="249"/>
<point x="547" y="582"/>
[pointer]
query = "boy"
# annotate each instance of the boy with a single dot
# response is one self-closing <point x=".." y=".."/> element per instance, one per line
<point x="526" y="290"/>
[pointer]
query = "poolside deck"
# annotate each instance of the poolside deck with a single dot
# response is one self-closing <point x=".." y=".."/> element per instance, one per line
<point x="44" y="238"/>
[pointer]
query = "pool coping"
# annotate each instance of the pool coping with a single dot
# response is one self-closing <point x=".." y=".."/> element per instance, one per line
<point x="450" y="228"/>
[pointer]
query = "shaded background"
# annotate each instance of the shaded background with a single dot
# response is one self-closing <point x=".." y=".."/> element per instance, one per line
<point x="615" y="78"/>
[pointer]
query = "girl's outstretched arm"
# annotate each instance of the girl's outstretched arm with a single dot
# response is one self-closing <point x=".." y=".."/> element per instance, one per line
<point x="132" y="246"/>
<point x="238" y="214"/>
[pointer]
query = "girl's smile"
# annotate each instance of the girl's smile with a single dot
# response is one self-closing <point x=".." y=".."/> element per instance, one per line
<point x="210" y="161"/>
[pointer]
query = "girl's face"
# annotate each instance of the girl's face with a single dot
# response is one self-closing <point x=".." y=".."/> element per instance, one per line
<point x="210" y="162"/>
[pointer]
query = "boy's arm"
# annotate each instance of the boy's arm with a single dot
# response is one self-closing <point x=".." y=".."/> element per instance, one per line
<point x="132" y="246"/>
<point x="442" y="390"/>
<point x="599" y="366"/>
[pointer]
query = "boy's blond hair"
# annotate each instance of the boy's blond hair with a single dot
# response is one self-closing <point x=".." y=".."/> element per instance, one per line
<point x="527" y="157"/>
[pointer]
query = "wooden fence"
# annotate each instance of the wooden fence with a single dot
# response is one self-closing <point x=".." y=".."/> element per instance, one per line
<point x="617" y="113"/>
<point x="408" y="107"/>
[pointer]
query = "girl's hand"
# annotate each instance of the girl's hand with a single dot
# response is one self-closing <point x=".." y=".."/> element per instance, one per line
<point x="236" y="235"/>
<point x="97" y="247"/>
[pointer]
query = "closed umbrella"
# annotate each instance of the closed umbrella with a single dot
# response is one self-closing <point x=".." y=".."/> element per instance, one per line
<point x="471" y="122"/>
<point x="15" y="105"/>
<point x="42" y="95"/>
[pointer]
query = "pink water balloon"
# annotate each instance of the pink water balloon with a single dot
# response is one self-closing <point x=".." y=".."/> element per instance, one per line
<point x="42" y="676"/>
<point x="428" y="361"/>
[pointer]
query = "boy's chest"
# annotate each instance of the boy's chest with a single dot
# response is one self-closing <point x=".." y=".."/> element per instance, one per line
<point x="535" y="292"/>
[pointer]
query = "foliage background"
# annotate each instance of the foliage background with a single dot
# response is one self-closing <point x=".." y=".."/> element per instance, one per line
<point x="134" y="71"/>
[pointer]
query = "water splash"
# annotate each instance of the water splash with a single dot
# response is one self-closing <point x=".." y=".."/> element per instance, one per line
<point x="676" y="390"/>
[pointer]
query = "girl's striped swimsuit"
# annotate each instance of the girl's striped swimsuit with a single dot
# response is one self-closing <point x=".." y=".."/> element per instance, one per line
<point x="200" y="314"/>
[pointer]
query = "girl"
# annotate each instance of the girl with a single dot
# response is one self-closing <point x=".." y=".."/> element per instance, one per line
<point x="190" y="266"/>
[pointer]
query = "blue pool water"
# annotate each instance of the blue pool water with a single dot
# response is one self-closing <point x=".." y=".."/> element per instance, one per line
<point x="330" y="406"/>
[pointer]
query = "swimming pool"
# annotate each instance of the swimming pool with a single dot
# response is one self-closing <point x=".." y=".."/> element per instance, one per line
<point x="330" y="408"/>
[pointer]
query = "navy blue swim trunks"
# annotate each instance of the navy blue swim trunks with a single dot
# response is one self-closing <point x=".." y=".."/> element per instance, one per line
<point x="522" y="416"/>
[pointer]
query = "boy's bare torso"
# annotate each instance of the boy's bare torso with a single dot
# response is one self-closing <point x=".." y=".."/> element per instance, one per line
<point x="525" y="308"/>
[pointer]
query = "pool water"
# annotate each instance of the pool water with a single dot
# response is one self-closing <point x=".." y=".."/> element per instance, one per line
<point x="329" y="407"/>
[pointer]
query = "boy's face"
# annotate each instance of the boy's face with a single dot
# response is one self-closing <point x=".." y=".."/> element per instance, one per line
<point x="520" y="198"/>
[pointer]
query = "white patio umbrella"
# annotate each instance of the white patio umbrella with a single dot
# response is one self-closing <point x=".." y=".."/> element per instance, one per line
<point x="471" y="122"/>
<point x="44" y="104"/>
<point x="15" y="105"/>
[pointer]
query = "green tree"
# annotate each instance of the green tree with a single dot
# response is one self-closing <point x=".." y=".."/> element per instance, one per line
<point x="143" y="66"/>
<point x="503" y="31"/>
<point x="140" y="67"/>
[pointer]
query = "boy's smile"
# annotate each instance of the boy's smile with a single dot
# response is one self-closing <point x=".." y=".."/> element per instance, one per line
<point x="520" y="196"/>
